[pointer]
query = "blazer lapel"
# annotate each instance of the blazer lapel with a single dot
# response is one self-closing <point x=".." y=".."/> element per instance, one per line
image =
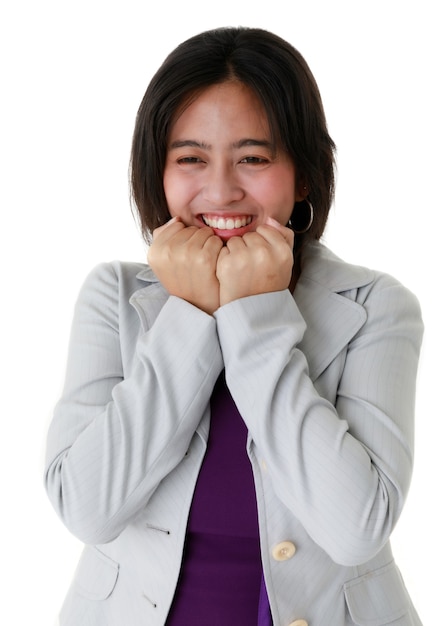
<point x="154" y="293"/>
<point x="323" y="295"/>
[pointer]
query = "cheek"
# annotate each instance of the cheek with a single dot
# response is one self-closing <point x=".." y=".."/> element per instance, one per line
<point x="167" y="184"/>
<point x="287" y="186"/>
<point x="173" y="192"/>
<point x="278" y="195"/>
<point x="179" y="193"/>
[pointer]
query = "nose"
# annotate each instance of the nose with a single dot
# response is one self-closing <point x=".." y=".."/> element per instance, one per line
<point x="222" y="187"/>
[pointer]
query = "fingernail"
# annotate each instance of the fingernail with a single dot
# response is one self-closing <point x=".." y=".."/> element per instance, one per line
<point x="172" y="220"/>
<point x="272" y="222"/>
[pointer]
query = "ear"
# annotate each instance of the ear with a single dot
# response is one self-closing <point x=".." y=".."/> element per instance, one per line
<point x="302" y="191"/>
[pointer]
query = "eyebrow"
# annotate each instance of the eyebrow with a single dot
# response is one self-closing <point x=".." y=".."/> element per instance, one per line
<point x="191" y="143"/>
<point x="262" y="143"/>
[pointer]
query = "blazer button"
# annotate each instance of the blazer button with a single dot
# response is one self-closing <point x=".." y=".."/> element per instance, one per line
<point x="299" y="622"/>
<point x="284" y="551"/>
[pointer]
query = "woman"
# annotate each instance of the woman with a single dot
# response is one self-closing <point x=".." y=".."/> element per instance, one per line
<point x="234" y="439"/>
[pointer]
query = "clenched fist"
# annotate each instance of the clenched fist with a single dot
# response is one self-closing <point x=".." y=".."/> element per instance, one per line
<point x="184" y="258"/>
<point x="258" y="262"/>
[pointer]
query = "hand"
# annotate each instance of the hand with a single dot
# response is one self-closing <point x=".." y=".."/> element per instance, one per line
<point x="184" y="259"/>
<point x="258" y="262"/>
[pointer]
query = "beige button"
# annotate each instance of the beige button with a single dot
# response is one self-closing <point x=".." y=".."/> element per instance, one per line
<point x="299" y="622"/>
<point x="283" y="551"/>
<point x="264" y="465"/>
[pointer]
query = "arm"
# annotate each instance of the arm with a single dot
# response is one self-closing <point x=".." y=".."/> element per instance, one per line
<point x="114" y="435"/>
<point x="342" y="470"/>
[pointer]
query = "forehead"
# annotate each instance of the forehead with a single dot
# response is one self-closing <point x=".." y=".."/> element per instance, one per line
<point x="229" y="107"/>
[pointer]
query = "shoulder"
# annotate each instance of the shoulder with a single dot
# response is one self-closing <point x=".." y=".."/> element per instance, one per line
<point x="374" y="290"/>
<point x="110" y="285"/>
<point x="118" y="276"/>
<point x="322" y="266"/>
<point x="117" y="272"/>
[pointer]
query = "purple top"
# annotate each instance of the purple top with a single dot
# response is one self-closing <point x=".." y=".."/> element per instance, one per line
<point x="221" y="578"/>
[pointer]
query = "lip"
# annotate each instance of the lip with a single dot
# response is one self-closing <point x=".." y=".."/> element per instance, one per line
<point x="227" y="225"/>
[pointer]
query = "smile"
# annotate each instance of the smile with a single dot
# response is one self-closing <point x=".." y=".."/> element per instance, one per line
<point x="227" y="223"/>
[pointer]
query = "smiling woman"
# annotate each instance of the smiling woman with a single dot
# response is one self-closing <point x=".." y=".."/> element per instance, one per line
<point x="279" y="104"/>
<point x="234" y="441"/>
<point x="234" y="173"/>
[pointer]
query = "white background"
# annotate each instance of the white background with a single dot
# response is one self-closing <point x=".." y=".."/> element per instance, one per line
<point x="72" y="77"/>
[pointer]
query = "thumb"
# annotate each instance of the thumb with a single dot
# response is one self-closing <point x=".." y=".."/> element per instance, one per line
<point x="286" y="232"/>
<point x="161" y="229"/>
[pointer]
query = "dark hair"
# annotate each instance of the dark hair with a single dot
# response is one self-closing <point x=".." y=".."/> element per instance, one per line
<point x="279" y="76"/>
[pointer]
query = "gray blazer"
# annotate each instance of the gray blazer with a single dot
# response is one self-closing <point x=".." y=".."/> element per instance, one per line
<point x="325" y="383"/>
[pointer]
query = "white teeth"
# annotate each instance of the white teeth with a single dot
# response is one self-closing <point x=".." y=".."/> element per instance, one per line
<point x="229" y="223"/>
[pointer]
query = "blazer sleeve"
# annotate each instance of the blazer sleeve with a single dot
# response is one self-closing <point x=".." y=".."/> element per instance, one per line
<point x="343" y="470"/>
<point x="114" y="436"/>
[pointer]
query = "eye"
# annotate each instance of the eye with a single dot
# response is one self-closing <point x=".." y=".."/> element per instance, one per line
<point x="189" y="159"/>
<point x="254" y="160"/>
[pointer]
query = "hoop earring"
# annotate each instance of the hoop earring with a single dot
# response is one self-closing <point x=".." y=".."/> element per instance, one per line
<point x="304" y="214"/>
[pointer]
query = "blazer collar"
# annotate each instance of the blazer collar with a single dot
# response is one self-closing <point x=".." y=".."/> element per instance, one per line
<point x="154" y="294"/>
<point x="325" y="295"/>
